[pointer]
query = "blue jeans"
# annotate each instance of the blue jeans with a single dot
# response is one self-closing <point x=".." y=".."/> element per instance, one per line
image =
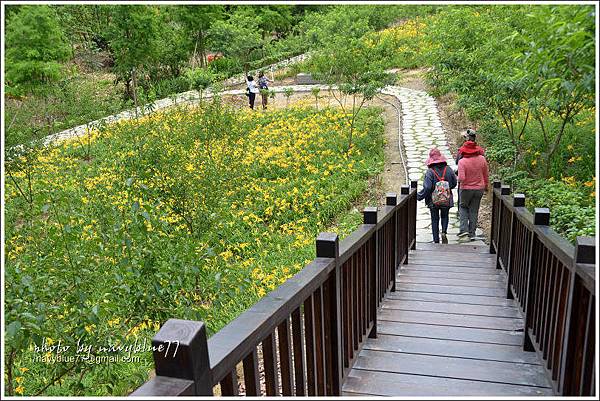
<point x="435" y="221"/>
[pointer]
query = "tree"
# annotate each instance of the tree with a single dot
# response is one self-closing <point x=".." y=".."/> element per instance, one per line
<point x="133" y="40"/>
<point x="561" y="60"/>
<point x="356" y="68"/>
<point x="197" y="20"/>
<point x="35" y="47"/>
<point x="238" y="37"/>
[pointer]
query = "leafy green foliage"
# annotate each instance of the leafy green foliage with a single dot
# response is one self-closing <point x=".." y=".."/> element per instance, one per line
<point x="35" y="46"/>
<point x="193" y="213"/>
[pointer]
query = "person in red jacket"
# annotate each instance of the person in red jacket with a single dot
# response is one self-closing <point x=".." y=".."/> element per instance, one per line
<point x="474" y="181"/>
<point x="469" y="147"/>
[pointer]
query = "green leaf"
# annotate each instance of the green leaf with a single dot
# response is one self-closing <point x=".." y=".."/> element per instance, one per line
<point x="13" y="328"/>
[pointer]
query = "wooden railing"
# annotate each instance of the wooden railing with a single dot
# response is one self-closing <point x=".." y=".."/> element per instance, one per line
<point x="554" y="285"/>
<point x="304" y="336"/>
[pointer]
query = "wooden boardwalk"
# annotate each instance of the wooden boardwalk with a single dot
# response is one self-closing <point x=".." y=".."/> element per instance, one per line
<point x="448" y="330"/>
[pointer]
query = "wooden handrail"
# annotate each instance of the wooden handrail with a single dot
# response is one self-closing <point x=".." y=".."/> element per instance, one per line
<point x="316" y="321"/>
<point x="553" y="283"/>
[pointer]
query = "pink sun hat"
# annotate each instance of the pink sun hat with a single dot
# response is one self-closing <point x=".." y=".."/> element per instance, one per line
<point x="435" y="156"/>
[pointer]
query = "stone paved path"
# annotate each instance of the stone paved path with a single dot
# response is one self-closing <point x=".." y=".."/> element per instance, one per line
<point x="421" y="129"/>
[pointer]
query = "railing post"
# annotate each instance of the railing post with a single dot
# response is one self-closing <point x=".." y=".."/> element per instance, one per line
<point x="328" y="247"/>
<point x="585" y="252"/>
<point x="497" y="184"/>
<point x="541" y="217"/>
<point x="180" y="351"/>
<point x="518" y="201"/>
<point x="413" y="222"/>
<point x="504" y="190"/>
<point x="370" y="217"/>
<point x="405" y="190"/>
<point x="391" y="199"/>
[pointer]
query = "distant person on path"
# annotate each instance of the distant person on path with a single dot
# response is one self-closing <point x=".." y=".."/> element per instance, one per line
<point x="469" y="147"/>
<point x="437" y="192"/>
<point x="263" y="87"/>
<point x="251" y="91"/>
<point x="474" y="181"/>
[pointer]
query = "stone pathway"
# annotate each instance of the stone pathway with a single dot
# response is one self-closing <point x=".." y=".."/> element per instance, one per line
<point x="421" y="130"/>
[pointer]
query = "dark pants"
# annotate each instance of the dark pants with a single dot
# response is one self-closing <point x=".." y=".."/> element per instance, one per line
<point x="265" y="97"/>
<point x="469" y="209"/>
<point x="435" y="221"/>
<point x="251" y="98"/>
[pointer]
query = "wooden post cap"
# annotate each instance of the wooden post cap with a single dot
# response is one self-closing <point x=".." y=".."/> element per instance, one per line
<point x="370" y="215"/>
<point x="585" y="250"/>
<point x="497" y="184"/>
<point x="541" y="216"/>
<point x="404" y="190"/>
<point x="327" y="245"/>
<point x="505" y="190"/>
<point x="391" y="199"/>
<point x="180" y="350"/>
<point x="413" y="183"/>
<point x="519" y="200"/>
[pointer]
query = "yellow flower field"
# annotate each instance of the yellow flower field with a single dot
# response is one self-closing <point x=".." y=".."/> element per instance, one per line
<point x="192" y="213"/>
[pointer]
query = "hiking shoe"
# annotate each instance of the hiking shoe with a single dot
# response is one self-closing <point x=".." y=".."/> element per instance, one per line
<point x="444" y="238"/>
<point x="463" y="234"/>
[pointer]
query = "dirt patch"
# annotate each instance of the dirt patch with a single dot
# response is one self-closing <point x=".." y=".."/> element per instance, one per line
<point x="413" y="79"/>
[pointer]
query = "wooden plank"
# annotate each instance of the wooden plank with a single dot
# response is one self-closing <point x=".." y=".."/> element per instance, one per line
<point x="319" y="341"/>
<point x="285" y="357"/>
<point x="251" y="374"/>
<point x="452" y="255"/>
<point x="505" y="337"/>
<point x="270" y="363"/>
<point x="452" y="298"/>
<point x="311" y="349"/>
<point x="441" y="319"/>
<point x="456" y="349"/>
<point x="299" y="360"/>
<point x="457" y="368"/>
<point x="449" y="282"/>
<point x="417" y="260"/>
<point x="229" y="384"/>
<point x="423" y="246"/>
<point x="367" y="383"/>
<point x="454" y="269"/>
<point x="449" y="274"/>
<point x="442" y="307"/>
<point x="445" y="289"/>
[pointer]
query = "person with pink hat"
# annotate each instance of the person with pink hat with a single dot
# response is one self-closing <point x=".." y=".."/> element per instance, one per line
<point x="437" y="192"/>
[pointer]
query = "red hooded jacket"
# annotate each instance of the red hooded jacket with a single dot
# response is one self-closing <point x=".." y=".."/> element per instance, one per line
<point x="469" y="149"/>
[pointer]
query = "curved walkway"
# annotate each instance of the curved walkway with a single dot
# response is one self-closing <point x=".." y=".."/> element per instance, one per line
<point x="421" y="129"/>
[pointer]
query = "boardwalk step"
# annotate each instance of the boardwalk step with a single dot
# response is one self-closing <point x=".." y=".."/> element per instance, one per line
<point x="368" y="383"/>
<point x="453" y="248"/>
<point x="488" y="275"/>
<point x="466" y="262"/>
<point x="451" y="289"/>
<point x="405" y="278"/>
<point x="442" y="307"/>
<point x="441" y="319"/>
<point x="456" y="349"/>
<point x="457" y="368"/>
<point x="451" y="269"/>
<point x="451" y="298"/>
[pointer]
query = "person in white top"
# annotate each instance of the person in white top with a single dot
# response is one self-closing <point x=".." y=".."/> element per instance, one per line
<point x="252" y="90"/>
